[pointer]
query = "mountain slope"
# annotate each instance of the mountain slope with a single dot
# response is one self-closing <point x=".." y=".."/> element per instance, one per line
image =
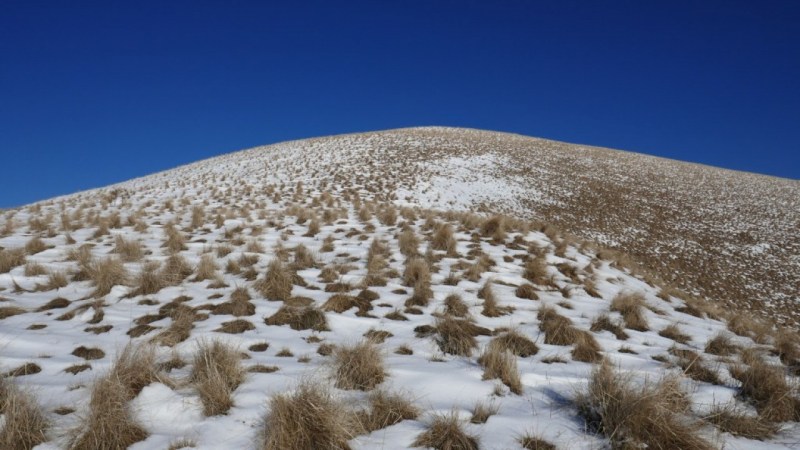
<point x="731" y="236"/>
<point x="218" y="304"/>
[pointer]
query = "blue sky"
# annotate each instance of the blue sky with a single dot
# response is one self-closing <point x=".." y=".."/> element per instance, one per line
<point x="93" y="93"/>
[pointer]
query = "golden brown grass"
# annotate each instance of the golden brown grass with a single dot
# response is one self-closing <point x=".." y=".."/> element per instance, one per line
<point x="456" y="336"/>
<point x="455" y="306"/>
<point x="516" y="343"/>
<point x="107" y="273"/>
<point x="9" y="311"/>
<point x="308" y="417"/>
<point x="24" y="423"/>
<point x="128" y="250"/>
<point x="340" y="303"/>
<point x="299" y="318"/>
<point x="674" y="332"/>
<point x="175" y="241"/>
<point x="482" y="411"/>
<point x="206" y="269"/>
<point x="530" y="442"/>
<point x="604" y="323"/>
<point x="446" y="432"/>
<point x="33" y="269"/>
<point x="631" y="305"/>
<point x="109" y="423"/>
<point x="649" y="416"/>
<point x="358" y="366"/>
<point x="276" y="283"/>
<point x="180" y="329"/>
<point x="526" y="291"/>
<point x="501" y="364"/>
<point x="35" y="245"/>
<point x="766" y="387"/>
<point x="416" y="271"/>
<point x="558" y="330"/>
<point x="586" y="348"/>
<point x="721" y="345"/>
<point x="216" y="372"/>
<point x="237" y="326"/>
<point x="737" y="422"/>
<point x="443" y="239"/>
<point x="408" y="242"/>
<point x="386" y="409"/>
<point x="11" y="258"/>
<point x="535" y="271"/>
<point x="490" y="306"/>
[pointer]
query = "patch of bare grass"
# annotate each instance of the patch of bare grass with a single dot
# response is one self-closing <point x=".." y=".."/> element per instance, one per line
<point x="358" y="366"/>
<point x="216" y="372"/>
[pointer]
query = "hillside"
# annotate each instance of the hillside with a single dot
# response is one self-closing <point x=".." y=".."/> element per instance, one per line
<point x="338" y="293"/>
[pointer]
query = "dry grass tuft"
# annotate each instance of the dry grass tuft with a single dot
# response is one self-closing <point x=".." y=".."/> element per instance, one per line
<point x="445" y="432"/>
<point x="586" y="348"/>
<point x="11" y="258"/>
<point x="35" y="245"/>
<point x="674" y="332"/>
<point x="107" y="273"/>
<point x="408" y="242"/>
<point x="649" y="416"/>
<point x="482" y="411"/>
<point x="237" y="326"/>
<point x="299" y="318"/>
<point x="216" y="372"/>
<point x="502" y="364"/>
<point x="766" y="387"/>
<point x="604" y="323"/>
<point x="9" y="311"/>
<point x="721" y="345"/>
<point x="129" y="251"/>
<point x="180" y="329"/>
<point x="277" y="281"/>
<point x="631" y="305"/>
<point x="456" y="336"/>
<point x="558" y="330"/>
<point x="359" y="366"/>
<point x="526" y="291"/>
<point x="206" y="269"/>
<point x="89" y="353"/>
<point x="309" y="417"/>
<point x="387" y="409"/>
<point x="536" y="272"/>
<point x="495" y="228"/>
<point x="340" y="303"/>
<point x="455" y="306"/>
<point x="110" y="424"/>
<point x="529" y="442"/>
<point x="730" y="419"/>
<point x="516" y="343"/>
<point x="24" y="423"/>
<point x="490" y="306"/>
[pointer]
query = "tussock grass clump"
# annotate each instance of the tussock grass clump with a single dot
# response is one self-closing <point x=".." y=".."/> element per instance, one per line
<point x="721" y="345"/>
<point x="516" y="343"/>
<point x="386" y="409"/>
<point x="340" y="303"/>
<point x="56" y="303"/>
<point x="110" y="424"/>
<point x="89" y="353"/>
<point x="766" y="387"/>
<point x="482" y="411"/>
<point x="446" y="432"/>
<point x="175" y="241"/>
<point x="309" y="417"/>
<point x="206" y="269"/>
<point x="495" y="228"/>
<point x="604" y="323"/>
<point x="694" y="366"/>
<point x="416" y="271"/>
<point x="238" y="306"/>
<point x="33" y="269"/>
<point x="29" y="368"/>
<point x="786" y="346"/>
<point x="237" y="326"/>
<point x="455" y="306"/>
<point x="148" y="280"/>
<point x="9" y="311"/>
<point x="535" y="271"/>
<point x="106" y="274"/>
<point x="443" y="239"/>
<point x="730" y="419"/>
<point x="558" y="330"/>
<point x="631" y="305"/>
<point x="526" y="291"/>
<point x="649" y="416"/>
<point x="490" y="306"/>
<point x="24" y="425"/>
<point x="674" y="332"/>
<point x="128" y="250"/>
<point x="175" y="270"/>
<point x="35" y="245"/>
<point x="277" y="281"/>
<point x="359" y="366"/>
<point x="216" y="372"/>
<point x="501" y="364"/>
<point x="11" y="258"/>
<point x="757" y="330"/>
<point x="408" y="242"/>
<point x="55" y="280"/>
<point x="299" y="318"/>
<point x="586" y="348"/>
<point x="457" y="336"/>
<point x="530" y="442"/>
<point x="180" y="329"/>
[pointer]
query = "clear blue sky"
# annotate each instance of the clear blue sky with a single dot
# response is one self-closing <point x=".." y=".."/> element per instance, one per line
<point x="93" y="93"/>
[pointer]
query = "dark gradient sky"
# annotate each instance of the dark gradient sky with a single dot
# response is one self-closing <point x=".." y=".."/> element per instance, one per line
<point x="93" y="93"/>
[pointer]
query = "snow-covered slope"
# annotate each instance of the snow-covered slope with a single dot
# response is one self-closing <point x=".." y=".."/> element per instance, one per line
<point x="338" y="231"/>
